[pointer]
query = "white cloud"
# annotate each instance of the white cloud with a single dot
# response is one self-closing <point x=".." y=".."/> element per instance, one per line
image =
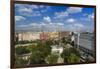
<point x="50" y="23"/>
<point x="61" y="14"/>
<point x="71" y="20"/>
<point x="50" y="26"/>
<point x="19" y="5"/>
<point x="37" y="6"/>
<point x="68" y="11"/>
<point x="61" y="24"/>
<point x="37" y="24"/>
<point x="74" y="9"/>
<point x="33" y="24"/>
<point x="91" y="16"/>
<point x="42" y="24"/>
<point x="34" y="13"/>
<point x="88" y="17"/>
<point x="41" y="6"/>
<point x="29" y="25"/>
<point x="47" y="19"/>
<point x="45" y="8"/>
<point x="34" y="6"/>
<point x="26" y="6"/>
<point x="79" y="25"/>
<point x="19" y="18"/>
<point x="23" y="26"/>
<point x="29" y="10"/>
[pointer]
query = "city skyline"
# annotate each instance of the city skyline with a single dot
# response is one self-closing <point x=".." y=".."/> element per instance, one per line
<point x="53" y="18"/>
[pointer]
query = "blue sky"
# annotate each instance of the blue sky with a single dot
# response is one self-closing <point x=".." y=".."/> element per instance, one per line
<point x="53" y="18"/>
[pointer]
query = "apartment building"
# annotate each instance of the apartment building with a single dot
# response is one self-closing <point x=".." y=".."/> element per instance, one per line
<point x="28" y="36"/>
<point x="85" y="41"/>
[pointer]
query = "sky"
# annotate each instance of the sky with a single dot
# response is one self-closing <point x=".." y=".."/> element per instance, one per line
<point x="34" y="17"/>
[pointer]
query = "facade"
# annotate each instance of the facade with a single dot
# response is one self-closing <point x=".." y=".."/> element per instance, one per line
<point x="53" y="35"/>
<point x="85" y="41"/>
<point x="43" y="36"/>
<point x="28" y="36"/>
<point x="31" y="36"/>
<point x="64" y="33"/>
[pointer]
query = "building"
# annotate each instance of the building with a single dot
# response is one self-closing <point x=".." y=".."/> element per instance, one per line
<point x="44" y="36"/>
<point x="31" y="36"/>
<point x="85" y="42"/>
<point x="53" y="35"/>
<point x="28" y="36"/>
<point x="64" y="33"/>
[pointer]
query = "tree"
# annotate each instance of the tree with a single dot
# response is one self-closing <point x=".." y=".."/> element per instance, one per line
<point x="20" y="61"/>
<point x="49" y="42"/>
<point x="65" y="54"/>
<point x="39" y="53"/>
<point x="74" y="51"/>
<point x="70" y="55"/>
<point x="73" y="58"/>
<point x="37" y="58"/>
<point x="52" y="59"/>
<point x="64" y="40"/>
<point x="21" y="50"/>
